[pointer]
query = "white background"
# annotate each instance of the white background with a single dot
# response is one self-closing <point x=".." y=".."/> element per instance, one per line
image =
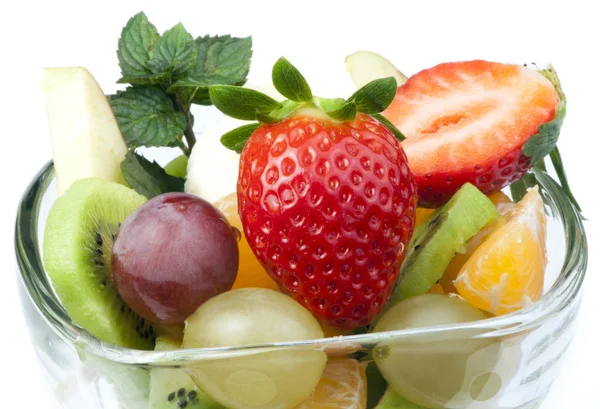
<point x="315" y="36"/>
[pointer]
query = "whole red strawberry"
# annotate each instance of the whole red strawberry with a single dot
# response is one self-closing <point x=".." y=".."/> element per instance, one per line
<point x="327" y="204"/>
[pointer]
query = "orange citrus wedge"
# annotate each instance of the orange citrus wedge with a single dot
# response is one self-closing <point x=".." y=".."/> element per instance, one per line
<point x="342" y="385"/>
<point x="503" y="204"/>
<point x="250" y="272"/>
<point x="506" y="272"/>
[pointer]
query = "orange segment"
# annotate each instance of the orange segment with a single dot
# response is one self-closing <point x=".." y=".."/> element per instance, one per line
<point x="250" y="272"/>
<point x="506" y="272"/>
<point x="421" y="214"/>
<point x="342" y="385"/>
<point x="503" y="204"/>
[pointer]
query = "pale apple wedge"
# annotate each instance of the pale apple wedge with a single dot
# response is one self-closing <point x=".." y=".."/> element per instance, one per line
<point x="366" y="66"/>
<point x="84" y="134"/>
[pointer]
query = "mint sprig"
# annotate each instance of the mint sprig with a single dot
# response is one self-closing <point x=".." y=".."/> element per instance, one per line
<point x="250" y="105"/>
<point x="181" y="69"/>
<point x="167" y="74"/>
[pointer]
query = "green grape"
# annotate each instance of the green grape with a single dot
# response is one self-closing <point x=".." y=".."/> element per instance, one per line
<point x="255" y="379"/>
<point x="445" y="370"/>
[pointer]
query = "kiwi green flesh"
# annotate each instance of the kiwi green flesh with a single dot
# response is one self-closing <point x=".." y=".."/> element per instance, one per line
<point x="172" y="388"/>
<point x="391" y="400"/>
<point x="437" y="240"/>
<point x="78" y="239"/>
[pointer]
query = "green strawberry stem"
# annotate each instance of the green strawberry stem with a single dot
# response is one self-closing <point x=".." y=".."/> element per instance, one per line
<point x="247" y="104"/>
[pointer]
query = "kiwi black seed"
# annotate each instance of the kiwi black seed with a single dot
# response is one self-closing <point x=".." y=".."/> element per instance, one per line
<point x="78" y="241"/>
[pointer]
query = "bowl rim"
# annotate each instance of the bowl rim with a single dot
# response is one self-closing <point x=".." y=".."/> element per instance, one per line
<point x="563" y="292"/>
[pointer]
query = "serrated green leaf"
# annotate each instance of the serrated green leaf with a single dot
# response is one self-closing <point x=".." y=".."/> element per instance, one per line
<point x="174" y="52"/>
<point x="236" y="139"/>
<point x="241" y="103"/>
<point x="290" y="82"/>
<point x="145" y="79"/>
<point x="147" y="117"/>
<point x="148" y="178"/>
<point x="337" y="108"/>
<point x="222" y="60"/>
<point x="542" y="143"/>
<point x="399" y="135"/>
<point x="376" y="96"/>
<point x="138" y="37"/>
<point x="279" y="114"/>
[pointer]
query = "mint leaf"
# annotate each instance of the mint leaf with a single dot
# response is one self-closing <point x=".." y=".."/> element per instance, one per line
<point x="337" y="108"/>
<point x="279" y="114"/>
<point x="290" y="82"/>
<point x="236" y="139"/>
<point x="399" y="135"/>
<point x="542" y="143"/>
<point x="147" y="117"/>
<point x="148" y="178"/>
<point x="221" y="60"/>
<point x="138" y="37"/>
<point x="174" y="52"/>
<point x="241" y="103"/>
<point x="376" y="96"/>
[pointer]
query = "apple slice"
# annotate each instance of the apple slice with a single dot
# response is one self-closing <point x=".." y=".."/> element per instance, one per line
<point x="84" y="134"/>
<point x="366" y="66"/>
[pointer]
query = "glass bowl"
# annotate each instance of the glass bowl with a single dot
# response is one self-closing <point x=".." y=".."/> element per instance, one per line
<point x="504" y="362"/>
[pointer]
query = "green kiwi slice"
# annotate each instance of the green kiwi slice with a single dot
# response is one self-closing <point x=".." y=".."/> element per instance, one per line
<point x="436" y="241"/>
<point x="78" y="238"/>
<point x="172" y="388"/>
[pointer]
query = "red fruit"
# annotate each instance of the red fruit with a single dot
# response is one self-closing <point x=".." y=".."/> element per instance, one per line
<point x="328" y="208"/>
<point x="467" y="122"/>
<point x="171" y="255"/>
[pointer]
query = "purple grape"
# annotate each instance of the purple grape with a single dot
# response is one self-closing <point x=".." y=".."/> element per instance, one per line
<point x="171" y="255"/>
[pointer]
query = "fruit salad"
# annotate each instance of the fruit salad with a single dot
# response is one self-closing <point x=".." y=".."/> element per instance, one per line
<point x="386" y="210"/>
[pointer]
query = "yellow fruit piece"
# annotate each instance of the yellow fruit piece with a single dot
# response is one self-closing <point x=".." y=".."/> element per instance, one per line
<point x="506" y="272"/>
<point x="421" y="214"/>
<point x="437" y="289"/>
<point x="503" y="204"/>
<point x="250" y="272"/>
<point x="342" y="385"/>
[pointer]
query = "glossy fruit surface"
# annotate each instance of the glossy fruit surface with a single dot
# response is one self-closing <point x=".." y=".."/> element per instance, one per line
<point x="328" y="208"/>
<point x="342" y="385"/>
<point x="264" y="380"/>
<point x="172" y="254"/>
<point x="506" y="272"/>
<point x="250" y="272"/>
<point x="433" y="371"/>
<point x="467" y="122"/>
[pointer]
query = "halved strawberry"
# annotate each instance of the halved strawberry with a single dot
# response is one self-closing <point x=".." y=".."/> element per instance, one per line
<point x="468" y="122"/>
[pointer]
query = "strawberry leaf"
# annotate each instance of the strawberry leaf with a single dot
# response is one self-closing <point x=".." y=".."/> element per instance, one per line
<point x="236" y="139"/>
<point x="541" y="144"/>
<point x="279" y="114"/>
<point x="399" y="135"/>
<point x="375" y="96"/>
<point x="241" y="103"/>
<point x="148" y="178"/>
<point x="147" y="117"/>
<point x="562" y="176"/>
<point x="289" y="81"/>
<point x="337" y="108"/>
